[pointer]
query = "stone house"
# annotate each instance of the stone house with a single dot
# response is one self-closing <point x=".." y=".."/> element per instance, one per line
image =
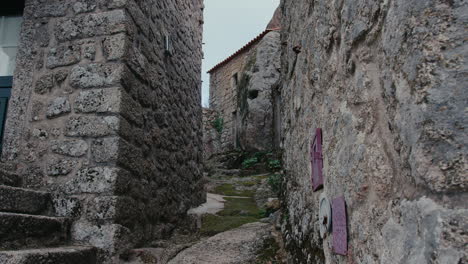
<point x="241" y="94"/>
<point x="101" y="125"/>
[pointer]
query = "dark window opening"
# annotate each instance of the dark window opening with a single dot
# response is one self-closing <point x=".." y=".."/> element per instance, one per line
<point x="253" y="94"/>
<point x="11" y="19"/>
<point x="235" y="80"/>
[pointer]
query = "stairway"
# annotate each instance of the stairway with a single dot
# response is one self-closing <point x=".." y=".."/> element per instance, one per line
<point x="28" y="232"/>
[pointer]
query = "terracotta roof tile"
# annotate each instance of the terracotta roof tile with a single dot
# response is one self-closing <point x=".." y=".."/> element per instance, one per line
<point x="246" y="47"/>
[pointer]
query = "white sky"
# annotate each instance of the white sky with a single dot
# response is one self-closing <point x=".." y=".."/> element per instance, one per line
<point x="229" y="25"/>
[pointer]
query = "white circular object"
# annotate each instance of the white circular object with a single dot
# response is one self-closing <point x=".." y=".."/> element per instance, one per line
<point x="324" y="216"/>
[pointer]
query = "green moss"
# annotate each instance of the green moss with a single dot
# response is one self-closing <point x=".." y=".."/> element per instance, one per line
<point x="218" y="124"/>
<point x="214" y="224"/>
<point x="251" y="62"/>
<point x="250" y="183"/>
<point x="241" y="207"/>
<point x="249" y="162"/>
<point x="230" y="190"/>
<point x="237" y="212"/>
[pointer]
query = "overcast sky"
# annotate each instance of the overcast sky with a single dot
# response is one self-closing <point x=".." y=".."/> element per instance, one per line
<point x="229" y="25"/>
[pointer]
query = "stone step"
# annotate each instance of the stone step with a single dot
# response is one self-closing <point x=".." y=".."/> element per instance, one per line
<point x="18" y="200"/>
<point x="9" y="179"/>
<point x="61" y="255"/>
<point x="19" y="231"/>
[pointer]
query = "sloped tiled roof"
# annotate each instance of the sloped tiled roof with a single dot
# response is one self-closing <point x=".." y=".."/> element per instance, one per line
<point x="243" y="49"/>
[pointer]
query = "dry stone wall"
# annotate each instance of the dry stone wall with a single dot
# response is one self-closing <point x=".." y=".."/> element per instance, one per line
<point x="246" y="104"/>
<point x="107" y="118"/>
<point x="386" y="81"/>
<point x="211" y="133"/>
<point x="223" y="97"/>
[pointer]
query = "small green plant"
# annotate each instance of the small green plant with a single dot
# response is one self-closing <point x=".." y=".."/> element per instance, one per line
<point x="248" y="163"/>
<point x="274" y="164"/>
<point x="264" y="213"/>
<point x="274" y="181"/>
<point x="218" y="124"/>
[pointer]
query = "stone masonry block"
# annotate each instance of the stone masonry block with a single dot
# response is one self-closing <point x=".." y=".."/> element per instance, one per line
<point x="61" y="75"/>
<point x="58" y="106"/>
<point x="111" y="4"/>
<point x="119" y="209"/>
<point x="115" y="46"/>
<point x="108" y="237"/>
<point x="66" y="206"/>
<point x="105" y="150"/>
<point x="37" y="111"/>
<point x="99" y="101"/>
<point x="60" y="167"/>
<point x="63" y="55"/>
<point x="92" y="126"/>
<point x="44" y="84"/>
<point x="96" y="180"/>
<point x="84" y="6"/>
<point x="51" y="9"/>
<point x="95" y="75"/>
<point x="70" y="147"/>
<point x="91" y="25"/>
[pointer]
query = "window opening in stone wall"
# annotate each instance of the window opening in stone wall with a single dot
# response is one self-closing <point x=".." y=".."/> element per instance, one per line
<point x="235" y="80"/>
<point x="253" y="94"/>
<point x="11" y="19"/>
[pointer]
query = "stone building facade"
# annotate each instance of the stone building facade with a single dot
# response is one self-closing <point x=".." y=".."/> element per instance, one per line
<point x="211" y="133"/>
<point x="241" y="94"/>
<point x="386" y="82"/>
<point x="105" y="117"/>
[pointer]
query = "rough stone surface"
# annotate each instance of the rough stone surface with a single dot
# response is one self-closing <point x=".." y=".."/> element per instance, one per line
<point x="44" y="84"/>
<point x="105" y="150"/>
<point x="241" y="94"/>
<point x="63" y="55"/>
<point x="70" y="147"/>
<point x="105" y="120"/>
<point x="211" y="136"/>
<point x="63" y="255"/>
<point x="98" y="101"/>
<point x="18" y="200"/>
<point x="95" y="75"/>
<point x="237" y="246"/>
<point x="19" y="230"/>
<point x="91" y="25"/>
<point x="60" y="166"/>
<point x="385" y="81"/>
<point x="91" y="126"/>
<point x="58" y="106"/>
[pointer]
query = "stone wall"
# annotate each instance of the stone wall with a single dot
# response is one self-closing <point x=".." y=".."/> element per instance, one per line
<point x="211" y="133"/>
<point x="246" y="105"/>
<point x="223" y="96"/>
<point x="386" y="81"/>
<point x="107" y="119"/>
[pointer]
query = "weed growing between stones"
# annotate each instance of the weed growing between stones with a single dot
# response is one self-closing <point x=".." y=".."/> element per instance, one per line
<point x="218" y="124"/>
<point x="267" y="254"/>
<point x="249" y="163"/>
<point x="275" y="181"/>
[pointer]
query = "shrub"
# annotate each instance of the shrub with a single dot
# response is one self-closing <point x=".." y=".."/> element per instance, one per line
<point x="248" y="163"/>
<point x="218" y="124"/>
<point x="274" y="164"/>
<point x="274" y="181"/>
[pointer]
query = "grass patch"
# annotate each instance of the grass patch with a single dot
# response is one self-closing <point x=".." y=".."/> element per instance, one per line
<point x="214" y="224"/>
<point x="250" y="183"/>
<point x="230" y="190"/>
<point x="241" y="207"/>
<point x="237" y="212"/>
